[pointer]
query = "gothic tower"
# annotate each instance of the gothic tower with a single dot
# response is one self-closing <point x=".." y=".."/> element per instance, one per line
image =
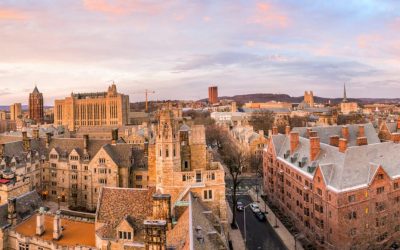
<point x="168" y="153"/>
<point x="36" y="106"/>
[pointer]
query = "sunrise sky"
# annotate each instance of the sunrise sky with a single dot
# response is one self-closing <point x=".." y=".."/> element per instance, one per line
<point x="178" y="48"/>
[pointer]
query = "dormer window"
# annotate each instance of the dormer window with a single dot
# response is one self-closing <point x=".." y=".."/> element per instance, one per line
<point x="125" y="235"/>
<point x="74" y="158"/>
<point x="102" y="160"/>
<point x="53" y="156"/>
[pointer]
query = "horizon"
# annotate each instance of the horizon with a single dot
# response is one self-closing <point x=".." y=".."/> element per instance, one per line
<point x="273" y="46"/>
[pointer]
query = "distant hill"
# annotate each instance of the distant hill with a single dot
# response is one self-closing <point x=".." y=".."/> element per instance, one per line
<point x="298" y="99"/>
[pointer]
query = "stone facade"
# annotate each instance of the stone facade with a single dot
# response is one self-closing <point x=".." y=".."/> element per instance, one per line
<point x="309" y="98"/>
<point x="36" y="106"/>
<point x="92" y="109"/>
<point x="15" y="111"/>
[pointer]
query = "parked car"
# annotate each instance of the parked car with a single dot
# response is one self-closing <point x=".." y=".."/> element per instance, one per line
<point x="254" y="207"/>
<point x="260" y="216"/>
<point x="239" y="206"/>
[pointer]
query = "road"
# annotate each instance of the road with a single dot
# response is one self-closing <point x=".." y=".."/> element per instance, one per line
<point x="260" y="235"/>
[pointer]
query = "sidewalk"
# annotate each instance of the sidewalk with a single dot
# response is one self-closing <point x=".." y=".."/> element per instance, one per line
<point x="286" y="237"/>
<point x="234" y="235"/>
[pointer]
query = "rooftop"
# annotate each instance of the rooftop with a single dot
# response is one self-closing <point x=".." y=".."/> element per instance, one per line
<point x="74" y="233"/>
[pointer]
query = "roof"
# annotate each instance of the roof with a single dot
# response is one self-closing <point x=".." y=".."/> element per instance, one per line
<point x="35" y="90"/>
<point x="137" y="204"/>
<point x="74" y="232"/>
<point x="325" y="132"/>
<point x="179" y="237"/>
<point x="343" y="171"/>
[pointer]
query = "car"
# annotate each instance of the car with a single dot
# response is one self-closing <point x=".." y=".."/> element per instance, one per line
<point x="254" y="207"/>
<point x="260" y="216"/>
<point x="239" y="206"/>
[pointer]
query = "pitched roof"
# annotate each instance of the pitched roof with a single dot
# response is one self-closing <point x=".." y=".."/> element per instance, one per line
<point x="137" y="204"/>
<point x="179" y="237"/>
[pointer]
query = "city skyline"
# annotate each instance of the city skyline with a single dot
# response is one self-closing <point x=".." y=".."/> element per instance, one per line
<point x="276" y="46"/>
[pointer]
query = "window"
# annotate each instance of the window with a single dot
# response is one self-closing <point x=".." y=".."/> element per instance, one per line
<point x="380" y="190"/>
<point x="382" y="237"/>
<point x="208" y="194"/>
<point x="103" y="181"/>
<point x="23" y="246"/>
<point x="102" y="160"/>
<point x="86" y="168"/>
<point x="380" y="177"/>
<point x="74" y="158"/>
<point x="352" y="198"/>
<point x="166" y="153"/>
<point x="352" y="215"/>
<point x="74" y="177"/>
<point x="125" y="235"/>
<point x="74" y="167"/>
<point x="139" y="177"/>
<point x="396" y="185"/>
<point x="319" y="191"/>
<point x="53" y="156"/>
<point x="53" y="165"/>
<point x="380" y="206"/>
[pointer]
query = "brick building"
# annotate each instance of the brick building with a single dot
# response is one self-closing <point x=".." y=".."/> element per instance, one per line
<point x="92" y="109"/>
<point x="36" y="106"/>
<point x="213" y="94"/>
<point x="339" y="196"/>
<point x="15" y="111"/>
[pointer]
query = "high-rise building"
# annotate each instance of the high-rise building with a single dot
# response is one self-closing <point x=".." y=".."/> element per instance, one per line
<point x="15" y="111"/>
<point x="36" y="106"/>
<point x="213" y="94"/>
<point x="92" y="109"/>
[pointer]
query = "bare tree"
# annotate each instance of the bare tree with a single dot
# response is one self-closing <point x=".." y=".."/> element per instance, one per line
<point x="215" y="135"/>
<point x="262" y="120"/>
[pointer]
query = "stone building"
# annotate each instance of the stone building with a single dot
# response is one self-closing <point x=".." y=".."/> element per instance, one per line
<point x="309" y="98"/>
<point x="92" y="109"/>
<point x="179" y="163"/>
<point x="389" y="131"/>
<point x="347" y="107"/>
<point x="36" y="106"/>
<point x="15" y="111"/>
<point x="339" y="196"/>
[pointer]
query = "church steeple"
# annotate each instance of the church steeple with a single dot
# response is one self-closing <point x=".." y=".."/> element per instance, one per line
<point x="344" y="93"/>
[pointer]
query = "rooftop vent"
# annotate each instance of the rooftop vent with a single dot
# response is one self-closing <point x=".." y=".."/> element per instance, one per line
<point x="286" y="155"/>
<point x="294" y="157"/>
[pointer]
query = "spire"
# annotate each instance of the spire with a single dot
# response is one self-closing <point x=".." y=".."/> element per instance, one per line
<point x="35" y="90"/>
<point x="344" y="93"/>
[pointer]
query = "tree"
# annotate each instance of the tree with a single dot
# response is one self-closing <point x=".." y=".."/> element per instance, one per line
<point x="255" y="163"/>
<point x="262" y="120"/>
<point x="298" y="121"/>
<point x="215" y="135"/>
<point x="234" y="159"/>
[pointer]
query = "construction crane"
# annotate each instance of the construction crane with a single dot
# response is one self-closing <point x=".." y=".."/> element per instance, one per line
<point x="146" y="92"/>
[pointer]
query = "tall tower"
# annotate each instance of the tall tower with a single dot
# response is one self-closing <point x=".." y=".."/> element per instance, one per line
<point x="309" y="98"/>
<point x="36" y="106"/>
<point x="212" y="94"/>
<point x="168" y="158"/>
<point x="344" y="93"/>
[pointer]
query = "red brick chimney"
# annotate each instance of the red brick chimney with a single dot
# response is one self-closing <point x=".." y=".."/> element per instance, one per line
<point x="345" y="132"/>
<point x="342" y="145"/>
<point x="334" y="140"/>
<point x="362" y="141"/>
<point x="287" y="130"/>
<point x="361" y="131"/>
<point x="315" y="147"/>
<point x="313" y="134"/>
<point x="308" y="132"/>
<point x="398" y="123"/>
<point x="274" y="130"/>
<point x="396" y="137"/>
<point x="294" y="141"/>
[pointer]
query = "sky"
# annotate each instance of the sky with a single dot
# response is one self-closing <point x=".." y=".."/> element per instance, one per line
<point x="179" y="48"/>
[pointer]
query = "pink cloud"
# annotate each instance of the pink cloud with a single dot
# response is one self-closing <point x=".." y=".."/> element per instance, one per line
<point x="12" y="14"/>
<point x="122" y="7"/>
<point x="269" y="16"/>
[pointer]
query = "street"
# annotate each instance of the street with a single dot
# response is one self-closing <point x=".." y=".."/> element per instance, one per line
<point x="260" y="235"/>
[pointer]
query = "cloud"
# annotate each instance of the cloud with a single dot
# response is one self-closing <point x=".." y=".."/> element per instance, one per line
<point x="269" y="16"/>
<point x="12" y="14"/>
<point x="123" y="7"/>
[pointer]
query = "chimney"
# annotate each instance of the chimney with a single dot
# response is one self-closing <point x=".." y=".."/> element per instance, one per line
<point x="48" y="139"/>
<point x="26" y="141"/>
<point x="380" y="121"/>
<point x="261" y="132"/>
<point x="342" y="145"/>
<point x="274" y="130"/>
<point x="287" y="130"/>
<point x="315" y="147"/>
<point x="269" y="133"/>
<point x="35" y="133"/>
<point x="85" y="144"/>
<point x="396" y="137"/>
<point x="162" y="207"/>
<point x="12" y="211"/>
<point x="361" y="131"/>
<point x="398" y="123"/>
<point x="334" y="140"/>
<point x="40" y="222"/>
<point x="2" y="150"/>
<point x="114" y="135"/>
<point x="294" y="141"/>
<point x="362" y="141"/>
<point x="345" y="132"/>
<point x="57" y="232"/>
<point x="313" y="134"/>
<point x="308" y="132"/>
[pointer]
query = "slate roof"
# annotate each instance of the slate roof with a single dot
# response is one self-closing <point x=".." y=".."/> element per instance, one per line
<point x="343" y="171"/>
<point x="325" y="132"/>
<point x="26" y="205"/>
<point x="178" y="237"/>
<point x="116" y="203"/>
